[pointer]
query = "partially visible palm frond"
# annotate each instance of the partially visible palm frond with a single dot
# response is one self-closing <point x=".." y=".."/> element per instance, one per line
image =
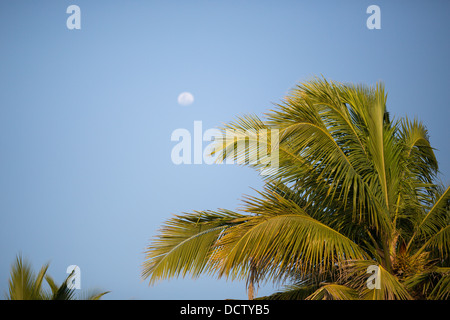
<point x="185" y="244"/>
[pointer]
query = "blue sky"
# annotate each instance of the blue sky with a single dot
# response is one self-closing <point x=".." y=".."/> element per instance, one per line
<point x="86" y="115"/>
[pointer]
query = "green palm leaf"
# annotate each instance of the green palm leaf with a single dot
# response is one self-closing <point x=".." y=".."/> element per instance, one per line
<point x="185" y="244"/>
<point x="355" y="275"/>
<point x="437" y="217"/>
<point x="283" y="244"/>
<point x="25" y="285"/>
<point x="334" y="291"/>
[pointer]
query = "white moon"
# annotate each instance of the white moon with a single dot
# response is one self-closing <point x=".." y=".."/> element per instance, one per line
<point x="185" y="98"/>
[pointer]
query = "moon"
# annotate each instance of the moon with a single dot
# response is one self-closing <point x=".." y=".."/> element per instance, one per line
<point x="185" y="99"/>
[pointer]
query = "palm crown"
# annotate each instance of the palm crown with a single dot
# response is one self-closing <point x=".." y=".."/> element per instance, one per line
<point x="24" y="284"/>
<point x="354" y="188"/>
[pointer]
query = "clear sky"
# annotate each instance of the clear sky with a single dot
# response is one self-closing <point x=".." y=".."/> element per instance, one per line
<point x="86" y="116"/>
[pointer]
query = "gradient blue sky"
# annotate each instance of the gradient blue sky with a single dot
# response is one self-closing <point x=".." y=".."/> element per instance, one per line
<point x="86" y="115"/>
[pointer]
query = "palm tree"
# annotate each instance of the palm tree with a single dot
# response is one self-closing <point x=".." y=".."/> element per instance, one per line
<point x="24" y="284"/>
<point x="354" y="188"/>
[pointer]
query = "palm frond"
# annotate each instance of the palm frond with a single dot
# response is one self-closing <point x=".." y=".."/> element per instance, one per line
<point x="24" y="284"/>
<point x="387" y="286"/>
<point x="281" y="245"/>
<point x="436" y="219"/>
<point x="185" y="244"/>
<point x="93" y="294"/>
<point x="442" y="289"/>
<point x="62" y="292"/>
<point x="292" y="292"/>
<point x="333" y="291"/>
